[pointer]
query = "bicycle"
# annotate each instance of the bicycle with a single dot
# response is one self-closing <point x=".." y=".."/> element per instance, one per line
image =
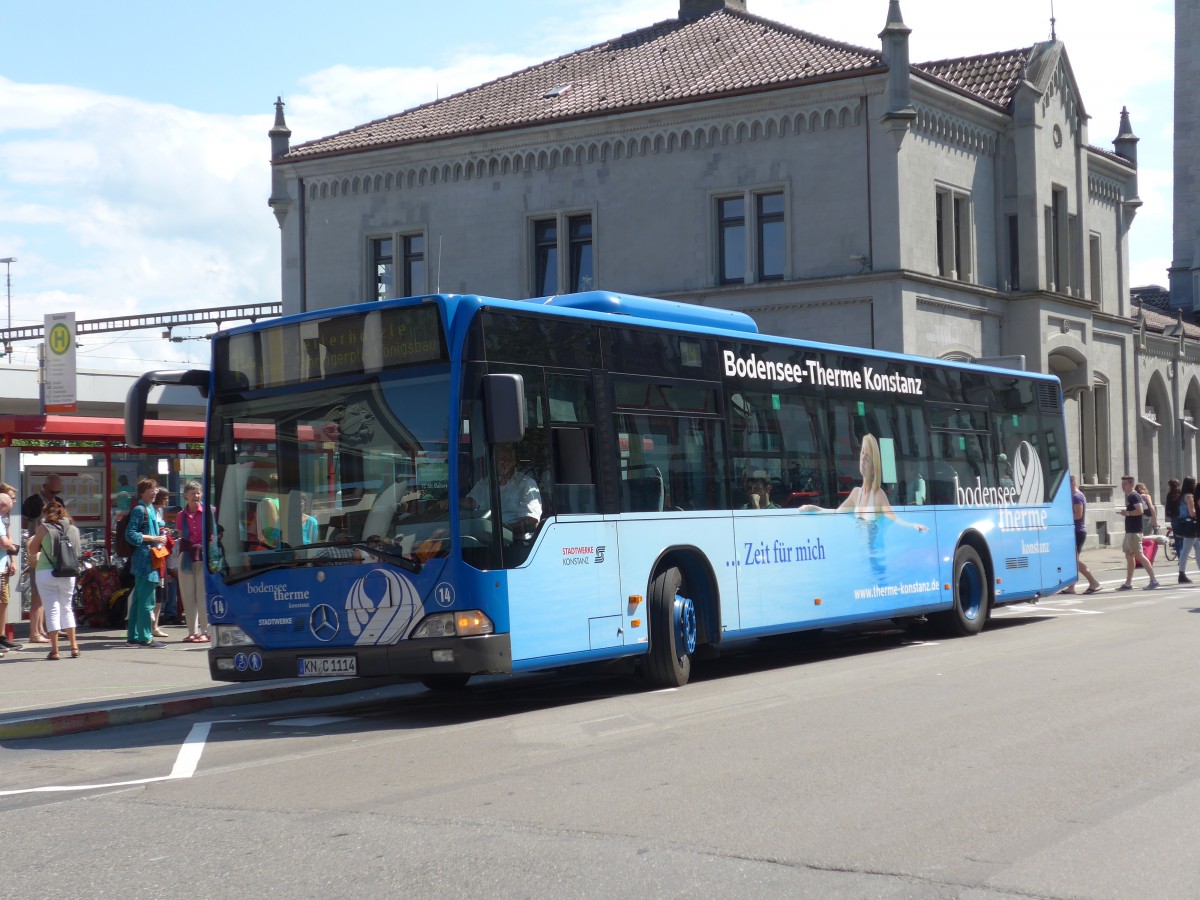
<point x="1170" y="550"/>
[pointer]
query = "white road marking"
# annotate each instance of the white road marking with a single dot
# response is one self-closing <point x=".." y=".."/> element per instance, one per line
<point x="185" y="767"/>
<point x="187" y="759"/>
<point x="1046" y="609"/>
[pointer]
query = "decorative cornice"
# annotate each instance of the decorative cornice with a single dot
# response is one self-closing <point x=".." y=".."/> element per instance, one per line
<point x="955" y="131"/>
<point x="1105" y="189"/>
<point x="956" y="306"/>
<point x="806" y="304"/>
<point x="610" y="147"/>
<point x="1060" y="85"/>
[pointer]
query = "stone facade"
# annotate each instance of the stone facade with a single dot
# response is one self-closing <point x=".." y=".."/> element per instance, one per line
<point x="1185" y="256"/>
<point x="952" y="209"/>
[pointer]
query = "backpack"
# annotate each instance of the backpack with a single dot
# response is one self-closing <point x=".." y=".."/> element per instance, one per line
<point x="96" y="588"/>
<point x="121" y="543"/>
<point x="64" y="543"/>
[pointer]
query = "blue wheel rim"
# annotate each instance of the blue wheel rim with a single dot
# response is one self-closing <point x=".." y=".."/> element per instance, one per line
<point x="685" y="625"/>
<point x="970" y="591"/>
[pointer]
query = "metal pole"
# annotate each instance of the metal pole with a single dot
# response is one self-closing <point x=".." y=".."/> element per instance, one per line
<point x="8" y="261"/>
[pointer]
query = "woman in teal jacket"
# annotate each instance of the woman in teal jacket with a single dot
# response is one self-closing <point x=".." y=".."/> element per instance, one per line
<point x="142" y="534"/>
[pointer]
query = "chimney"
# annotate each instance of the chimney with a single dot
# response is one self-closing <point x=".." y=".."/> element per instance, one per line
<point x="690" y="10"/>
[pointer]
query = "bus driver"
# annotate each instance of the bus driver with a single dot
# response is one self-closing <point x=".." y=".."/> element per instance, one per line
<point x="520" y="499"/>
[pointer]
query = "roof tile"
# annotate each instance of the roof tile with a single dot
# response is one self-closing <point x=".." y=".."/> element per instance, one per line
<point x="673" y="61"/>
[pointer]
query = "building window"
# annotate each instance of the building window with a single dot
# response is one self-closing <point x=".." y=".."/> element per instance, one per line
<point x="414" y="264"/>
<point x="383" y="264"/>
<point x="752" y="227"/>
<point x="1094" y="267"/>
<point x="545" y="257"/>
<point x="409" y="279"/>
<point x="1057" y="242"/>
<point x="953" y="238"/>
<point x="731" y="228"/>
<point x="580" y="235"/>
<point x="563" y="258"/>
<point x="1014" y="254"/>
<point x="771" y="247"/>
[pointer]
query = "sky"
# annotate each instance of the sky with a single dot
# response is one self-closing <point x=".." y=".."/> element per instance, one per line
<point x="135" y="163"/>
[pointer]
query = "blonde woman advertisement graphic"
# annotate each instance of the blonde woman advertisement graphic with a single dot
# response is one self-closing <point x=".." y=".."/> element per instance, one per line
<point x="869" y="501"/>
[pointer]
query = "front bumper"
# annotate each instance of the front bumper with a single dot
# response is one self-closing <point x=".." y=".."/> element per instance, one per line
<point x="484" y="654"/>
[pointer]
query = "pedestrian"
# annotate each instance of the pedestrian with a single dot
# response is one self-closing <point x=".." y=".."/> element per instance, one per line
<point x="161" y="496"/>
<point x="190" y="527"/>
<point x="1172" y="503"/>
<point x="1079" y="506"/>
<point x="58" y="591"/>
<point x="1149" y="512"/>
<point x="1131" y="546"/>
<point x="142" y="534"/>
<point x="1184" y="526"/>
<point x="31" y="513"/>
<point x="8" y="563"/>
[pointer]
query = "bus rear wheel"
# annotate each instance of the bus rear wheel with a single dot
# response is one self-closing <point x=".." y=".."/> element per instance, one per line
<point x="673" y="631"/>
<point x="969" y="580"/>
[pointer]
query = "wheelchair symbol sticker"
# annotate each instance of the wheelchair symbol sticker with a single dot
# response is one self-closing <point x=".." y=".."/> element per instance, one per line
<point x="240" y="662"/>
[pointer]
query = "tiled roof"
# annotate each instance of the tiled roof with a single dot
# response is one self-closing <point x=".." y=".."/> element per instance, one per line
<point x="1151" y="295"/>
<point x="1108" y="154"/>
<point x="1161" y="323"/>
<point x="992" y="77"/>
<point x="673" y="61"/>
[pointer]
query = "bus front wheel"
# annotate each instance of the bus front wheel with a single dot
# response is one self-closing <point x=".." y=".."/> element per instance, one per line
<point x="673" y="631"/>
<point x="969" y="582"/>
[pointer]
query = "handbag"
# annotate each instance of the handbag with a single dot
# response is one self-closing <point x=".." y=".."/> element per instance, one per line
<point x="158" y="558"/>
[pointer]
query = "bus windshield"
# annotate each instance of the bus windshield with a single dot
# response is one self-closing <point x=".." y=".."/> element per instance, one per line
<point x="332" y="475"/>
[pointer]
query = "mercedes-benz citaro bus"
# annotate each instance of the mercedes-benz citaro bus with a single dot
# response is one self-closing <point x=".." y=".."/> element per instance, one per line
<point x="445" y="486"/>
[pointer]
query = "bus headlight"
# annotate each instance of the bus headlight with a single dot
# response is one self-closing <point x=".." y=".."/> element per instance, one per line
<point x="230" y="636"/>
<point x="466" y="623"/>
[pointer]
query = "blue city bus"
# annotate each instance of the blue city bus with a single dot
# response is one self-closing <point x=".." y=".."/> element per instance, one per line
<point x="444" y="486"/>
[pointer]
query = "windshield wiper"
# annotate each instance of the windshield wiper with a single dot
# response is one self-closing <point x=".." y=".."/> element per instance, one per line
<point x="302" y="559"/>
<point x="404" y="562"/>
<point x="242" y="576"/>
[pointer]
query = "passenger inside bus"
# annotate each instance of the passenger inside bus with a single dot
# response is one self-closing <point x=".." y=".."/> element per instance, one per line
<point x="757" y="486"/>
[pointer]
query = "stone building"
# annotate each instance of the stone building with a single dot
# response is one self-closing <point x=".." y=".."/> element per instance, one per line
<point x="954" y="208"/>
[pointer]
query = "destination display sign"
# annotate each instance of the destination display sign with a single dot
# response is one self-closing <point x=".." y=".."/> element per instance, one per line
<point x="358" y="344"/>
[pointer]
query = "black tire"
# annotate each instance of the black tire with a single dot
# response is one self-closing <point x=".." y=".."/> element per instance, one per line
<point x="1170" y="551"/>
<point x="673" y="631"/>
<point x="972" y="596"/>
<point x="446" y="682"/>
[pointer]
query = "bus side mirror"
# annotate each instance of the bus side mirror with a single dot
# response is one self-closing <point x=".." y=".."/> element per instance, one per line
<point x="135" y="399"/>
<point x="504" y="401"/>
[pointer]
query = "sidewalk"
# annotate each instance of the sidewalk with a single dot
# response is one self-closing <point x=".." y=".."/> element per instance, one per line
<point x="113" y="683"/>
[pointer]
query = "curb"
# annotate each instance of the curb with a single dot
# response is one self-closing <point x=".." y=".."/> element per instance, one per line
<point x="135" y="712"/>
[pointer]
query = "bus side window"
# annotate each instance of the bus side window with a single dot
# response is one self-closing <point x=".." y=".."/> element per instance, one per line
<point x="574" y="470"/>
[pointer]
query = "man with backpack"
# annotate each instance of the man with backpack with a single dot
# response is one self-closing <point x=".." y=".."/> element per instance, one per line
<point x="53" y="553"/>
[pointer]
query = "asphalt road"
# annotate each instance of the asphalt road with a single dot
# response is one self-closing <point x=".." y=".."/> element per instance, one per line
<point x="1055" y="755"/>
